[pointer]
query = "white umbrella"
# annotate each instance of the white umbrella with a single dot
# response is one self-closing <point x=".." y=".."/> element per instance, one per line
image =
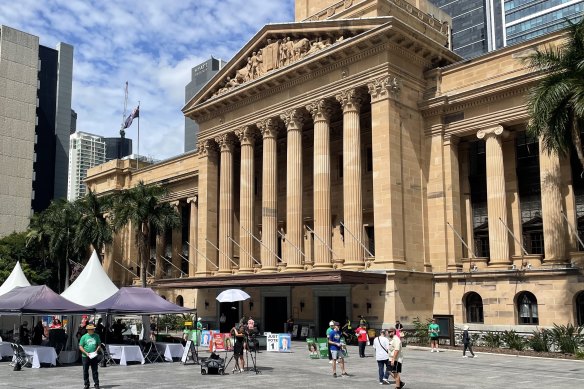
<point x="231" y="295"/>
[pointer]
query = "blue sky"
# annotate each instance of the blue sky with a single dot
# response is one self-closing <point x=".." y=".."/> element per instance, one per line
<point x="152" y="44"/>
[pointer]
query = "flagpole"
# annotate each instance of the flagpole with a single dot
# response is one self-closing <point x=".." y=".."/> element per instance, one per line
<point x="138" y="157"/>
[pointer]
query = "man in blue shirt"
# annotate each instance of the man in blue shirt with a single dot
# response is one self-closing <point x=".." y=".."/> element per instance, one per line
<point x="334" y="340"/>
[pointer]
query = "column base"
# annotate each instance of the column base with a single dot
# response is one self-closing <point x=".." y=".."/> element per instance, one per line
<point x="386" y="264"/>
<point x="577" y="259"/>
<point x="268" y="269"/>
<point x="294" y="267"/>
<point x="454" y="268"/>
<point x="246" y="271"/>
<point x="499" y="264"/>
<point x="224" y="272"/>
<point x="555" y="263"/>
<point x="353" y="265"/>
<point x="527" y="261"/>
<point x="323" y="266"/>
<point x="204" y="274"/>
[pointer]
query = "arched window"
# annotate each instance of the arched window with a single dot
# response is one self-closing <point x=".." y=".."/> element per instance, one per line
<point x="474" y="308"/>
<point x="580" y="308"/>
<point x="527" y="308"/>
<point x="180" y="300"/>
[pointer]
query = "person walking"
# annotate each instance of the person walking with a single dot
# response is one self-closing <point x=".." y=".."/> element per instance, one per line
<point x="90" y="345"/>
<point x="328" y="332"/>
<point x="334" y="341"/>
<point x="381" y="346"/>
<point x="362" y="339"/>
<point x="434" y="332"/>
<point x="399" y="327"/>
<point x="395" y="358"/>
<point x="467" y="342"/>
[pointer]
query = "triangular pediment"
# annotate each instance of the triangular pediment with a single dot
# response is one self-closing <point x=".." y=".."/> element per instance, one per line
<point x="278" y="47"/>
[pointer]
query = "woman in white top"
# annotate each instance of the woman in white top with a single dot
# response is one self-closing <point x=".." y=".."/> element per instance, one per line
<point x="381" y="346"/>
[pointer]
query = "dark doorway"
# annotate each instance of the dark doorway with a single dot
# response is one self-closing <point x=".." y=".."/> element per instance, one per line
<point x="276" y="313"/>
<point x="331" y="308"/>
<point x="231" y="312"/>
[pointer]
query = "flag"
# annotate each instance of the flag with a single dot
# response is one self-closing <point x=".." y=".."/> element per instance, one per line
<point x="135" y="113"/>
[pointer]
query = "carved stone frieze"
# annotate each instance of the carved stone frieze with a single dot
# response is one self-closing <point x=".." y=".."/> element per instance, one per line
<point x="276" y="54"/>
<point x="293" y="119"/>
<point x="383" y="87"/>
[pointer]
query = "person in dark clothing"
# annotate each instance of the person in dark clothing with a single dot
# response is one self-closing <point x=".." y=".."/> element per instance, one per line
<point x="37" y="333"/>
<point x="467" y="343"/>
<point x="24" y="334"/>
<point x="100" y="329"/>
<point x="237" y="333"/>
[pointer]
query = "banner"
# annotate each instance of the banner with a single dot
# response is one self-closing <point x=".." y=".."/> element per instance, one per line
<point x="272" y="342"/>
<point x="218" y="343"/>
<point x="228" y="341"/>
<point x="313" y="352"/>
<point x="322" y="347"/>
<point x="284" y="343"/>
<point x="205" y="337"/>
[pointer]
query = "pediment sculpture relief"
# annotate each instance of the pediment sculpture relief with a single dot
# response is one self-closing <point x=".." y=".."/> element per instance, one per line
<point x="275" y="55"/>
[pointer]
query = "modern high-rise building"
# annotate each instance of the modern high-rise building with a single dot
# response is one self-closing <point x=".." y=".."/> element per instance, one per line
<point x="117" y="148"/>
<point x="479" y="26"/>
<point x="35" y="121"/>
<point x="200" y="75"/>
<point x="85" y="151"/>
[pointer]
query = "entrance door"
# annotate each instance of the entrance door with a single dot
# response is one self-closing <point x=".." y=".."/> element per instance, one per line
<point x="275" y="313"/>
<point x="232" y="316"/>
<point x="331" y="308"/>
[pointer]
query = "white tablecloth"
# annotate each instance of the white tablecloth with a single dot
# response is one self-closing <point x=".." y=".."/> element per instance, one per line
<point x="125" y="353"/>
<point x="5" y="350"/>
<point x="170" y="350"/>
<point x="40" y="355"/>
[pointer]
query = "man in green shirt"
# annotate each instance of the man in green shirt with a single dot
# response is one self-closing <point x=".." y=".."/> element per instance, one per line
<point x="434" y="332"/>
<point x="89" y="345"/>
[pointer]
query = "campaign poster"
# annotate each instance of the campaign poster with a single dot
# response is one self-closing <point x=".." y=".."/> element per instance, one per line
<point x="272" y="342"/>
<point x="284" y="343"/>
<point x="205" y="337"/>
<point x="304" y="331"/>
<point x="322" y="347"/>
<point x="218" y="343"/>
<point x="295" y="330"/>
<point x="312" y="346"/>
<point x="228" y="342"/>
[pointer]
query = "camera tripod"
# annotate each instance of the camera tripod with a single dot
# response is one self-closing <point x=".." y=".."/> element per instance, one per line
<point x="251" y="352"/>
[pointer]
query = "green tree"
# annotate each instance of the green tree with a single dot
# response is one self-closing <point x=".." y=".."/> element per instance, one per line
<point x="93" y="228"/>
<point x="14" y="248"/>
<point x="143" y="207"/>
<point x="556" y="102"/>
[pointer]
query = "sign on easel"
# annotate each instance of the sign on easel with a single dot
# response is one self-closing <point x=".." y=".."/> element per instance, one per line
<point x="272" y="342"/>
<point x="189" y="351"/>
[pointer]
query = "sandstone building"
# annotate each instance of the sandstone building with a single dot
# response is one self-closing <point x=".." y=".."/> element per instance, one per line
<point x="350" y="163"/>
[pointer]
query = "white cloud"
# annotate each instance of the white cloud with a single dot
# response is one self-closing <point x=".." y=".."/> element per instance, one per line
<point x="152" y="44"/>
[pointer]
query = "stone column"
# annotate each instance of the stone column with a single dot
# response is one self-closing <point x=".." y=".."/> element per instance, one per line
<point x="496" y="196"/>
<point x="247" y="137"/>
<point x="207" y="207"/>
<point x="177" y="243"/>
<point x="226" y="144"/>
<point x="193" y="235"/>
<point x="269" y="131"/>
<point x="554" y="225"/>
<point x="160" y="251"/>
<point x="294" y="120"/>
<point x="352" y="196"/>
<point x="321" y="111"/>
<point x="467" y="224"/>
<point x="452" y="202"/>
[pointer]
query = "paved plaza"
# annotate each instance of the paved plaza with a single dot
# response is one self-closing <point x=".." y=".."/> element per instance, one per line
<point x="422" y="370"/>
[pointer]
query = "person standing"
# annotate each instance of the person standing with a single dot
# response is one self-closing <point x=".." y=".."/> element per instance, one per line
<point x="334" y="341"/>
<point x="90" y="345"/>
<point x="24" y="334"/>
<point x="237" y="333"/>
<point x="395" y="358"/>
<point x="381" y="346"/>
<point x="328" y="332"/>
<point x="362" y="339"/>
<point x="398" y="329"/>
<point x="434" y="332"/>
<point x="290" y="325"/>
<point x="467" y="343"/>
<point x="37" y="333"/>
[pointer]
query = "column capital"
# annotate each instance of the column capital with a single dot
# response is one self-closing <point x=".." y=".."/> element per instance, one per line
<point x="384" y="87"/>
<point x="293" y="119"/>
<point x="350" y="99"/>
<point x="451" y="140"/>
<point x="175" y="204"/>
<point x="492" y="131"/>
<point x="320" y="110"/>
<point x="269" y="128"/>
<point x="247" y="135"/>
<point x="207" y="147"/>
<point x="192" y="200"/>
<point x="226" y="142"/>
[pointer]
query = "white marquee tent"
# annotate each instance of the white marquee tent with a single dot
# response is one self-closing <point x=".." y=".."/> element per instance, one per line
<point x="16" y="278"/>
<point x="92" y="286"/>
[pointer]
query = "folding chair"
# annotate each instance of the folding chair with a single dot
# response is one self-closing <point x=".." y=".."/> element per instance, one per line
<point x="152" y="354"/>
<point x="21" y="358"/>
<point x="107" y="357"/>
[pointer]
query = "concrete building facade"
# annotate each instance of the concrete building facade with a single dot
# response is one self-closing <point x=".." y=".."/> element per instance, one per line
<point x="361" y="167"/>
<point x="85" y="151"/>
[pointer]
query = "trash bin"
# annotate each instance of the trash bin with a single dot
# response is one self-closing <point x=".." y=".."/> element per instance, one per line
<point x="371" y="333"/>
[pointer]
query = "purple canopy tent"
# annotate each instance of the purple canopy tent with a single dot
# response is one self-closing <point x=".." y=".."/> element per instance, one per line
<point x="37" y="300"/>
<point x="138" y="301"/>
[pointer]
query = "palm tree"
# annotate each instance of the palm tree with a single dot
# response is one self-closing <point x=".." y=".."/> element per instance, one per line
<point x="142" y="206"/>
<point x="93" y="228"/>
<point x="556" y="103"/>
